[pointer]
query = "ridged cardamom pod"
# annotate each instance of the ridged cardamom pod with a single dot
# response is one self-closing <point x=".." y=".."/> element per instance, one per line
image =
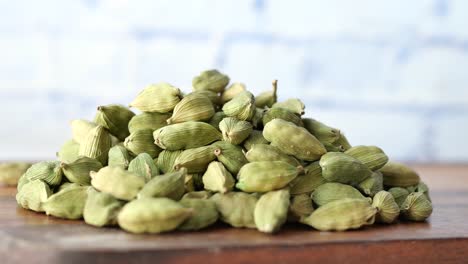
<point x="67" y="203"/>
<point x="308" y="182"/>
<point x="242" y="106"/>
<point x="217" y="178"/>
<point x="33" y="194"/>
<point x="399" y="194"/>
<point x="211" y="80"/>
<point x="197" y="195"/>
<point x="333" y="191"/>
<point x="115" y="118"/>
<point x="342" y="215"/>
<point x="300" y="207"/>
<point x="186" y="135"/>
<point x="422" y="187"/>
<point x="257" y="118"/>
<point x="69" y="151"/>
<point x="119" y="156"/>
<point x="339" y="167"/>
<point x="399" y="175"/>
<point x="78" y="170"/>
<point x="204" y="214"/>
<point x="263" y="152"/>
<point x="271" y="211"/>
<point x="152" y="215"/>
<point x="144" y="166"/>
<point x="216" y="119"/>
<point x="232" y="156"/>
<point x="195" y="160"/>
<point x="387" y="209"/>
<point x="231" y="213"/>
<point x="48" y="171"/>
<point x="416" y="207"/>
<point x="373" y="157"/>
<point x="214" y="97"/>
<point x="281" y="113"/>
<point x="294" y="105"/>
<point x="11" y="172"/>
<point x="371" y="185"/>
<point x="231" y="92"/>
<point x="166" y="160"/>
<point x="193" y="107"/>
<point x="118" y="182"/>
<point x="265" y="176"/>
<point x="101" y="209"/>
<point x="293" y="140"/>
<point x="96" y="145"/>
<point x="267" y="98"/>
<point x="80" y="129"/>
<point x="161" y="98"/>
<point x="170" y="185"/>
<point x="331" y="138"/>
<point x="255" y="137"/>
<point x="148" y="120"/>
<point x="141" y="141"/>
<point x="235" y="131"/>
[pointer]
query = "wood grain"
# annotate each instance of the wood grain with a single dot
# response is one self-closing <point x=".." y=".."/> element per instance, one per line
<point x="28" y="237"/>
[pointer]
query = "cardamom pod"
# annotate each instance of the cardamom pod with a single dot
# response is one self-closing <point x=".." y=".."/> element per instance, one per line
<point x="193" y="107"/>
<point x="161" y="98"/>
<point x="197" y="195"/>
<point x="214" y="97"/>
<point x="422" y="187"/>
<point x="257" y="118"/>
<point x="235" y="131"/>
<point x="96" y="145"/>
<point x="67" y="203"/>
<point x="78" y="171"/>
<point x="399" y="175"/>
<point x="267" y="98"/>
<point x="80" y="128"/>
<point x="195" y="160"/>
<point x="170" y="185"/>
<point x="10" y="172"/>
<point x="331" y="138"/>
<point x="231" y="213"/>
<point x="48" y="171"/>
<point x="242" y="106"/>
<point x="118" y="182"/>
<point x="115" y="118"/>
<point x="264" y="152"/>
<point x="69" y="151"/>
<point x="373" y="157"/>
<point x="294" y="105"/>
<point x="186" y="135"/>
<point x="119" y="156"/>
<point x="141" y="141"/>
<point x="387" y="209"/>
<point x="211" y="80"/>
<point x="333" y="191"/>
<point x="371" y="185"/>
<point x="101" y="209"/>
<point x="166" y="160"/>
<point x="300" y="207"/>
<point x="144" y="166"/>
<point x="231" y="92"/>
<point x="271" y="211"/>
<point x="416" y="207"/>
<point x="255" y="137"/>
<point x="399" y="194"/>
<point x="33" y="194"/>
<point x="204" y="214"/>
<point x="232" y="156"/>
<point x="339" y="167"/>
<point x="148" y="120"/>
<point x="283" y="114"/>
<point x="308" y="182"/>
<point x="217" y="178"/>
<point x="216" y="119"/>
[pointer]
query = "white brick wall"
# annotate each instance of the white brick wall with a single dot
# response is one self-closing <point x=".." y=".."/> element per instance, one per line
<point x="389" y="73"/>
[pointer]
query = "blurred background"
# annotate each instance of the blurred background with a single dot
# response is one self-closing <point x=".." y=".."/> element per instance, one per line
<point x="387" y="73"/>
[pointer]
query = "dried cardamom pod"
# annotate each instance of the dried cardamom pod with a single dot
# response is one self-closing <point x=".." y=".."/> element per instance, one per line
<point x="235" y="131"/>
<point x="78" y="171"/>
<point x="242" y="106"/>
<point x="387" y="209"/>
<point x="265" y="176"/>
<point x="293" y="140"/>
<point x="271" y="211"/>
<point x="231" y="92"/>
<point x="170" y="185"/>
<point x="416" y="207"/>
<point x="373" y="157"/>
<point x="80" y="129"/>
<point x="399" y="194"/>
<point x="96" y="145"/>
<point x="69" y="151"/>
<point x="186" y="135"/>
<point x="371" y="185"/>
<point x="195" y="160"/>
<point x="11" y="172"/>
<point x="204" y="214"/>
<point x="231" y="213"/>
<point x="216" y="119"/>
<point x="257" y="118"/>
<point x="333" y="191"/>
<point x="101" y="209"/>
<point x="342" y="215"/>
<point x="48" y="171"/>
<point x="119" y="156"/>
<point x="267" y="98"/>
<point x="115" y="118"/>
<point x="255" y="137"/>
<point x="214" y="97"/>
<point x="193" y="107"/>
<point x="263" y="152"/>
<point x="294" y="105"/>
<point x="281" y="113"/>
<point x="232" y="156"/>
<point x="161" y="98"/>
<point x="152" y="215"/>
<point x="118" y="182"/>
<point x="217" y="178"/>
<point x="67" y="203"/>
<point x="331" y="138"/>
<point x="144" y="166"/>
<point x="399" y="175"/>
<point x="197" y="195"/>
<point x="339" y="167"/>
<point x="211" y="80"/>
<point x="148" y="120"/>
<point x="33" y="194"/>
<point x="300" y="207"/>
<point x="166" y="160"/>
<point x="308" y="182"/>
<point x="422" y="187"/>
<point x="141" y="141"/>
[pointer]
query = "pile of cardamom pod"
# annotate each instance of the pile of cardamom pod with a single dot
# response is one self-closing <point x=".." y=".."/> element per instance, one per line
<point x="188" y="160"/>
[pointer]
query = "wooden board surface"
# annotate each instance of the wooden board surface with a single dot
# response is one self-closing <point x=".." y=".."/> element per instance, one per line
<point x="28" y="237"/>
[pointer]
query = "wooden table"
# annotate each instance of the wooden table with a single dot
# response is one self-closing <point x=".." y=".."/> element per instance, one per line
<point x="28" y="237"/>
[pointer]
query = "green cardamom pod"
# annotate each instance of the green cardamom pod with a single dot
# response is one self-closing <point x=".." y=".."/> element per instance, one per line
<point x="148" y="120"/>
<point x="231" y="92"/>
<point x="216" y="119"/>
<point x="399" y="194"/>
<point x="96" y="145"/>
<point x="193" y="107"/>
<point x="257" y="118"/>
<point x="281" y="113"/>
<point x="214" y="97"/>
<point x="235" y="131"/>
<point x="118" y="182"/>
<point x="232" y="156"/>
<point x="271" y="211"/>
<point x="255" y="137"/>
<point x="166" y="160"/>
<point x="152" y="215"/>
<point x="119" y="156"/>
<point x="339" y="167"/>
<point x="33" y="194"/>
<point x="141" y="141"/>
<point x="242" y="106"/>
<point x="267" y="98"/>
<point x="293" y="140"/>
<point x="195" y="160"/>
<point x="399" y="175"/>
<point x="294" y="105"/>
<point x="416" y="207"/>
<point x="67" y="203"/>
<point x="387" y="209"/>
<point x="144" y="166"/>
<point x="333" y="191"/>
<point x="373" y="157"/>
<point x="265" y="176"/>
<point x="300" y="207"/>
<point x="48" y="171"/>
<point x="204" y="214"/>
<point x="161" y="98"/>
<point x="101" y="209"/>
<point x="228" y="206"/>
<point x="371" y="185"/>
<point x="186" y="135"/>
<point x="217" y="178"/>
<point x="11" y="172"/>
<point x="115" y="118"/>
<point x="197" y="195"/>
<point x="170" y="185"/>
<point x="78" y="171"/>
<point x="80" y="128"/>
<point x="264" y="152"/>
<point x="331" y="138"/>
<point x="211" y="80"/>
<point x="422" y="187"/>
<point x="308" y="182"/>
<point x="69" y="151"/>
